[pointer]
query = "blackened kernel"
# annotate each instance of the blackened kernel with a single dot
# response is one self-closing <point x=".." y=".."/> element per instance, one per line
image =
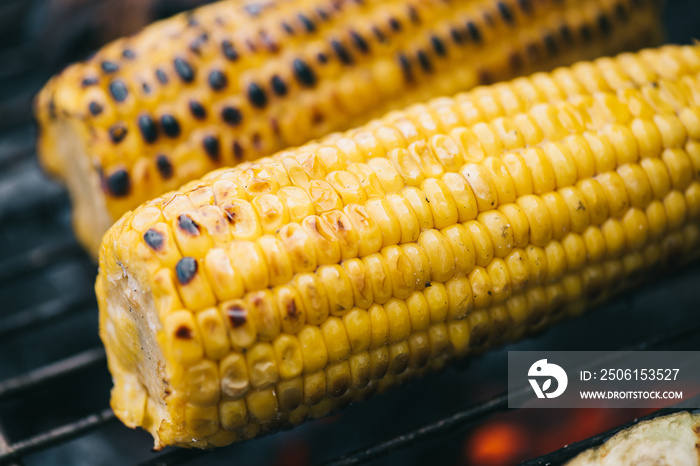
<point x="237" y="150"/>
<point x="474" y="32"/>
<point x="565" y="34"/>
<point x="148" y="128"/>
<point x="183" y="332"/>
<point x="237" y="315"/>
<point x="186" y="224"/>
<point x="303" y="73"/>
<point x="322" y="58"/>
<point x="146" y="88"/>
<point x="550" y="44"/>
<point x="438" y="46"/>
<point x="154" y="239"/>
<point x="171" y="127"/>
<point x="359" y="41"/>
<point x="269" y="43"/>
<point x="322" y="14"/>
<point x="197" y="110"/>
<point x="505" y="12"/>
<point x="405" y="64"/>
<point x="489" y="18"/>
<point x="184" y="70"/>
<point x="604" y="25"/>
<point x="413" y="15"/>
<point x="198" y="42"/>
<point x="86" y="82"/>
<point x="118" y="183"/>
<point x="278" y="86"/>
<point x="292" y="310"/>
<point x="212" y="147"/>
<point x="456" y="36"/>
<point x="257" y="95"/>
<point x="109" y="67"/>
<point x="117" y="132"/>
<point x="118" y="90"/>
<point x="95" y="108"/>
<point x="516" y="61"/>
<point x="395" y="24"/>
<point x="217" y="80"/>
<point x="342" y="53"/>
<point x="381" y="38"/>
<point x="232" y="116"/>
<point x="229" y="50"/>
<point x="586" y="33"/>
<point x="525" y="6"/>
<point x="191" y="20"/>
<point x="165" y="168"/>
<point x="287" y="28"/>
<point x="621" y="12"/>
<point x="533" y="52"/>
<point x="424" y="61"/>
<point x="485" y="77"/>
<point x="161" y="76"/>
<point x="185" y="270"/>
<point x="257" y="140"/>
<point x="128" y="54"/>
<point x="306" y="22"/>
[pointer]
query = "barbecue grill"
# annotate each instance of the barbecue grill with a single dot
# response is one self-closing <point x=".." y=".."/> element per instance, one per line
<point x="54" y="384"/>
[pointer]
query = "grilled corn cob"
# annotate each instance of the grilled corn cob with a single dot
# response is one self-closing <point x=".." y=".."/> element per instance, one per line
<point x="236" y="81"/>
<point x="279" y="290"/>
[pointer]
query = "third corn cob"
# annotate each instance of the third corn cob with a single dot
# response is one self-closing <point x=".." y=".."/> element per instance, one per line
<point x="274" y="291"/>
<point x="233" y="81"/>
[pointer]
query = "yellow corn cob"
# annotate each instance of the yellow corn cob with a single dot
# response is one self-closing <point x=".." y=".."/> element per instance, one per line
<point x="230" y="82"/>
<point x="275" y="291"/>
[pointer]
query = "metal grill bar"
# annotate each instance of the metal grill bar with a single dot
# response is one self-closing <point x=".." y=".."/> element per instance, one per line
<point x="35" y="259"/>
<point x="175" y="457"/>
<point x="57" y="435"/>
<point x="16" y="146"/>
<point x="45" y="312"/>
<point x="50" y="372"/>
<point x="4" y="446"/>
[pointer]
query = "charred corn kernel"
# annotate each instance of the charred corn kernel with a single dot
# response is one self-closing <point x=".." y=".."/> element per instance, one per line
<point x="334" y="306"/>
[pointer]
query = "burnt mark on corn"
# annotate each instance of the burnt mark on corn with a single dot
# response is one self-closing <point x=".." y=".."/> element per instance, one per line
<point x="148" y="128"/>
<point x="292" y="310"/>
<point x="87" y="82"/>
<point x="161" y="76"/>
<point x="278" y="86"/>
<point x="394" y="24"/>
<point x="305" y="21"/>
<point x="379" y="34"/>
<point x="117" y="132"/>
<point x="322" y="58"/>
<point x="341" y="52"/>
<point x="237" y="150"/>
<point x="506" y="13"/>
<point x="154" y="239"/>
<point x="95" y="108"/>
<point x="165" y="168"/>
<point x="413" y="15"/>
<point x="533" y="53"/>
<point x="405" y="65"/>
<point x="212" y="147"/>
<point x="303" y="72"/>
<point x="146" y="88"/>
<point x="257" y="95"/>
<point x="170" y="125"/>
<point x="183" y="332"/>
<point x="288" y="28"/>
<point x="118" y="184"/>
<point x="516" y="61"/>
<point x="184" y="70"/>
<point x="424" y="61"/>
<point x="474" y="32"/>
<point x="565" y="34"/>
<point x="604" y="25"/>
<point x="185" y="270"/>
<point x="525" y="6"/>
<point x="237" y="315"/>
<point x="485" y="77"/>
<point x="118" y="90"/>
<point x="128" y="54"/>
<point x="269" y="42"/>
<point x="197" y="110"/>
<point x="232" y="116"/>
<point x="621" y="13"/>
<point x="188" y="225"/>
<point x="109" y="67"/>
<point x="198" y="42"/>
<point x="359" y="41"/>
<point x="456" y="36"/>
<point x="438" y="46"/>
<point x="586" y="33"/>
<point x="550" y="44"/>
<point x="229" y="50"/>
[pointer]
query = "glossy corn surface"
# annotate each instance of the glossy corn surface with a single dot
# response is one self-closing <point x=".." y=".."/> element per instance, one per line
<point x="280" y="290"/>
<point x="232" y="82"/>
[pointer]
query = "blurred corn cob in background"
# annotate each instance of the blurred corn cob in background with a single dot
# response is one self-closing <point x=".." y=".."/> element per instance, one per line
<point x="278" y="290"/>
<point x="235" y="81"/>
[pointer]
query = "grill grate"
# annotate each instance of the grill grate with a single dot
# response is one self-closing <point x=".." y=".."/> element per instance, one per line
<point x="54" y="384"/>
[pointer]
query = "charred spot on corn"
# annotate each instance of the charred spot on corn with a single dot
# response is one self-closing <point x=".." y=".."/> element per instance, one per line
<point x="621" y="13"/>
<point x="394" y="24"/>
<point x="148" y="128"/>
<point x="405" y="65"/>
<point x="128" y="54"/>
<point x="186" y="269"/>
<point x="117" y="132"/>
<point x="474" y="32"/>
<point x="165" y="168"/>
<point x="118" y="90"/>
<point x="109" y="67"/>
<point x="237" y="150"/>
<point x="170" y="125"/>
<point x="257" y="95"/>
<point x="304" y="74"/>
<point x="184" y="70"/>
<point x="305" y="21"/>
<point x="341" y="52"/>
<point x="161" y="76"/>
<point x="438" y="46"/>
<point x="565" y="34"/>
<point x="154" y="239"/>
<point x="183" y="332"/>
<point x="118" y="184"/>
<point x="359" y="41"/>
<point x="87" y="82"/>
<point x="198" y="42"/>
<point x="586" y="33"/>
<point x="232" y="116"/>
<point x="198" y="111"/>
<point x="95" y="108"/>
<point x="217" y="80"/>
<point x="506" y="13"/>
<point x="212" y="147"/>
<point x="188" y="225"/>
<point x="237" y="315"/>
<point x="278" y="86"/>
<point x="424" y="61"/>
<point x="604" y="24"/>
<point x="525" y="6"/>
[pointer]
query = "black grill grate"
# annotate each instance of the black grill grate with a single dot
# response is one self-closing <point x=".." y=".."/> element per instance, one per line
<point x="54" y="385"/>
